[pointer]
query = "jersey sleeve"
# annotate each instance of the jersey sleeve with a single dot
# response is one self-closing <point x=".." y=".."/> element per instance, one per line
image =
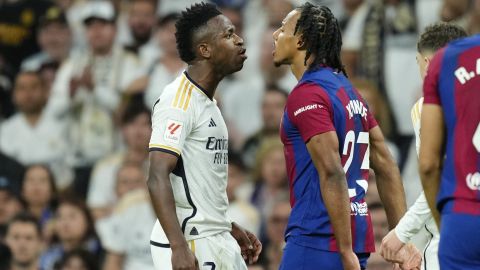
<point x="171" y="126"/>
<point x="430" y="84"/>
<point x="310" y="110"/>
<point x="414" y="220"/>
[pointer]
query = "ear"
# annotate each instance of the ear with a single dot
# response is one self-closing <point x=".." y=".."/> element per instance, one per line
<point x="427" y="62"/>
<point x="300" y="43"/>
<point x="204" y="50"/>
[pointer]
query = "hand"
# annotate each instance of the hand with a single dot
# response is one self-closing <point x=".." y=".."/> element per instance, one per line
<point x="390" y="247"/>
<point x="248" y="242"/>
<point x="350" y="261"/>
<point x="412" y="258"/>
<point x="87" y="79"/>
<point x="183" y="259"/>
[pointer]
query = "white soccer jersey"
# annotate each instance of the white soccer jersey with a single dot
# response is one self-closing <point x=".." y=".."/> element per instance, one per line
<point x="419" y="215"/>
<point x="189" y="125"/>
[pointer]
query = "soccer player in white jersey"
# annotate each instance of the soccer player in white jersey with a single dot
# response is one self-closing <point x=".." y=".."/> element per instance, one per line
<point x="189" y="153"/>
<point x="419" y="215"/>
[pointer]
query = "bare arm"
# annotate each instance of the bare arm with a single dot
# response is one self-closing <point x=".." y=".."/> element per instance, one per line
<point x="161" y="194"/>
<point x="389" y="182"/>
<point x="113" y="261"/>
<point x="431" y="154"/>
<point x="323" y="149"/>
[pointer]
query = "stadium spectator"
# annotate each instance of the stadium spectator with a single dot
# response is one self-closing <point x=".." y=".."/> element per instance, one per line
<point x="73" y="229"/>
<point x="54" y="38"/>
<point x="168" y="66"/>
<point x="270" y="175"/>
<point x="27" y="136"/>
<point x="25" y="242"/>
<point x="10" y="204"/>
<point x="240" y="210"/>
<point x="136" y="130"/>
<point x="273" y="104"/>
<point x="78" y="259"/>
<point x="141" y="25"/>
<point x="89" y="86"/>
<point x="128" y="244"/>
<point x="277" y="221"/>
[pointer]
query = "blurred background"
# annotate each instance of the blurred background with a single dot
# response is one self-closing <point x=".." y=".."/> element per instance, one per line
<point x="78" y="79"/>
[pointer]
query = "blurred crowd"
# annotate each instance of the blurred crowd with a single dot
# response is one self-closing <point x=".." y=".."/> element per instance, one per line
<point x="78" y="79"/>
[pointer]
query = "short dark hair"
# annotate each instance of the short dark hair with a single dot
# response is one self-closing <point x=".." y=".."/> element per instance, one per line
<point x="88" y="259"/>
<point x="438" y="35"/>
<point x="273" y="88"/>
<point x="25" y="217"/>
<point x="133" y="109"/>
<point x="321" y="35"/>
<point x="190" y="21"/>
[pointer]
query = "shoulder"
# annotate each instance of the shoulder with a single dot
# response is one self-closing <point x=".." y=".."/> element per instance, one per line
<point x="306" y="93"/>
<point x="178" y="95"/>
<point x="109" y="163"/>
<point x="11" y="123"/>
<point x="131" y="201"/>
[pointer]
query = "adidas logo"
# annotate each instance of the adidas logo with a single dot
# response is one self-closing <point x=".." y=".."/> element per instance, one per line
<point x="194" y="231"/>
<point x="212" y="123"/>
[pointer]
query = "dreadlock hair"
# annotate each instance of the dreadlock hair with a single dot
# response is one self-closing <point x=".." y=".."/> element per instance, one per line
<point x="321" y="35"/>
<point x="189" y="22"/>
<point x="436" y="36"/>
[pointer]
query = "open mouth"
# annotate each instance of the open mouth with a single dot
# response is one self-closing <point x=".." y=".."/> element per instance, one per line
<point x="242" y="53"/>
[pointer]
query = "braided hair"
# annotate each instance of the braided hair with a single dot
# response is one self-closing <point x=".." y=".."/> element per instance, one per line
<point x="321" y="35"/>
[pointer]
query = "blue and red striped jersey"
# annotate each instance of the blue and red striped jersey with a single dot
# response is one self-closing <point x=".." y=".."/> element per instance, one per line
<point x="324" y="101"/>
<point x="453" y="82"/>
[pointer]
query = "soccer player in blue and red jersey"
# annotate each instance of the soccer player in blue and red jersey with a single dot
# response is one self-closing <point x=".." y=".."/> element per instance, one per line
<point x="330" y="139"/>
<point x="450" y="151"/>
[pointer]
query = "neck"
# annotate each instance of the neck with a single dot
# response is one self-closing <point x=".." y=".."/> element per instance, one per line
<point x="205" y="76"/>
<point x="36" y="210"/>
<point x="24" y="266"/>
<point x="32" y="118"/>
<point x="70" y="244"/>
<point x="136" y="156"/>
<point x="298" y="66"/>
<point x="102" y="51"/>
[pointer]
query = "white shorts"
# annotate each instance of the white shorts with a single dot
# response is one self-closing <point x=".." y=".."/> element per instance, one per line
<point x="216" y="252"/>
<point x="430" y="254"/>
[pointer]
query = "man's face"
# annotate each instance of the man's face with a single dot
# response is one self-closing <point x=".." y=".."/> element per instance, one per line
<point x="24" y="242"/>
<point x="129" y="178"/>
<point x="423" y="59"/>
<point x="29" y="94"/>
<point x="137" y="132"/>
<point x="166" y="38"/>
<point x="55" y="40"/>
<point x="227" y="51"/>
<point x="100" y="35"/>
<point x="141" y="20"/>
<point x="273" y="106"/>
<point x="285" y="41"/>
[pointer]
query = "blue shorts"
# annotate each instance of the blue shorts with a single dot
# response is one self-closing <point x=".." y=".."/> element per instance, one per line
<point x="459" y="246"/>
<point x="305" y="258"/>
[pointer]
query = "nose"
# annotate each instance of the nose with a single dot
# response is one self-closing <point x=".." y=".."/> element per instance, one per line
<point x="275" y="35"/>
<point x="238" y="40"/>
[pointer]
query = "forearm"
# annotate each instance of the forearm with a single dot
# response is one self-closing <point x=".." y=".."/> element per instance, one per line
<point x="334" y="191"/>
<point x="392" y="194"/>
<point x="431" y="185"/>
<point x="113" y="261"/>
<point x="163" y="201"/>
<point x="414" y="220"/>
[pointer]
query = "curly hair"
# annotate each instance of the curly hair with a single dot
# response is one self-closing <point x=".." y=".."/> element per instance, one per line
<point x="321" y="35"/>
<point x="437" y="35"/>
<point x="189" y="22"/>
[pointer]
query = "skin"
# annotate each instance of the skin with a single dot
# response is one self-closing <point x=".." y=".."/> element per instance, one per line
<point x="219" y="52"/>
<point x="30" y="96"/>
<point x="100" y="36"/>
<point x="37" y="190"/>
<point x="391" y="244"/>
<point x="324" y="151"/>
<point x="431" y="154"/>
<point x="55" y="39"/>
<point x="70" y="226"/>
<point x="25" y="243"/>
<point x="141" y="20"/>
